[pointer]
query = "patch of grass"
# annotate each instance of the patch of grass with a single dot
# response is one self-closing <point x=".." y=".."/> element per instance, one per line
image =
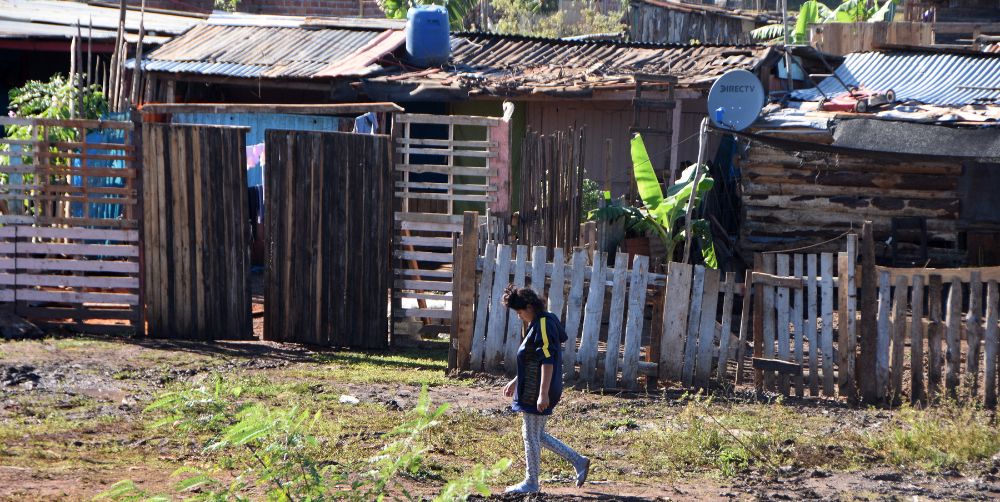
<point x="938" y="438"/>
<point x="406" y="366"/>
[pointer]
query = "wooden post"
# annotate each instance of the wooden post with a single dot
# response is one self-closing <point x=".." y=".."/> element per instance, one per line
<point x="616" y="319"/>
<point x="677" y="299"/>
<point x="728" y="290"/>
<point x="826" y="312"/>
<point x="694" y="325"/>
<point x="918" y="393"/>
<point x="812" y="310"/>
<point x="744" y="326"/>
<point x="758" y="323"/>
<point x="770" y="331"/>
<point x="869" y="320"/>
<point x="974" y="332"/>
<point x="463" y="303"/>
<point x="883" y="337"/>
<point x="781" y="305"/>
<point x="638" y="280"/>
<point x="934" y="331"/>
<point x="850" y="350"/>
<point x="798" y="309"/>
<point x="482" y="307"/>
<point x="898" y="338"/>
<point x="952" y="321"/>
<point x="592" y="317"/>
<point x="992" y="344"/>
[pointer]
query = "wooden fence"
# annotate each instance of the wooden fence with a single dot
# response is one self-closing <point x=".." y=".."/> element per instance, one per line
<point x="196" y="236"/>
<point x="437" y="173"/>
<point x="551" y="189"/>
<point x="328" y="215"/>
<point x="793" y="312"/>
<point x="69" y="248"/>
<point x="613" y="339"/>
<point x="844" y="38"/>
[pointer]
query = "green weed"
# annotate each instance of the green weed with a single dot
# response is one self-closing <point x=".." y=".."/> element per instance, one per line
<point x="938" y="438"/>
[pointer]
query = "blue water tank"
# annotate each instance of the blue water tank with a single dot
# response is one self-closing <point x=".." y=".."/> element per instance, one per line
<point x="427" y="35"/>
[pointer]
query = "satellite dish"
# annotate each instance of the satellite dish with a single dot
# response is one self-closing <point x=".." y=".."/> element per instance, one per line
<point x="735" y="100"/>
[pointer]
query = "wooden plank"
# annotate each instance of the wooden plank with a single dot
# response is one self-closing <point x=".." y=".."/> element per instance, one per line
<point x="797" y="309"/>
<point x="770" y="327"/>
<point x="826" y="335"/>
<point x="128" y="251"/>
<point x="445" y="186"/>
<point x="454" y="170"/>
<point x="810" y="328"/>
<point x="744" y="326"/>
<point x="842" y="285"/>
<point x="884" y="335"/>
<point x="69" y="281"/>
<point x="69" y="123"/>
<point x="616" y="319"/>
<point x="899" y="303"/>
<point x="446" y="297"/>
<point x="411" y="240"/>
<point x="953" y="331"/>
<point x="75" y="233"/>
<point x="918" y="393"/>
<point x="964" y="275"/>
<point x="513" y="340"/>
<point x="593" y="314"/>
<point x="865" y="371"/>
<point x="782" y="309"/>
<point x="422" y="273"/>
<point x="677" y="298"/>
<point x="125" y="267"/>
<point x="706" y="330"/>
<point x="425" y="256"/>
<point x="777" y="281"/>
<point x="778" y="365"/>
<point x="693" y="325"/>
<point x="447" y="196"/>
<point x="446" y="152"/>
<point x="850" y="349"/>
<point x="432" y="218"/>
<point x="935" y="329"/>
<point x="974" y="334"/>
<point x="428" y="227"/>
<point x="758" y="324"/>
<point x="466" y="290"/>
<point x="350" y="109"/>
<point x="727" y="320"/>
<point x="574" y="306"/>
<point x="992" y="344"/>
<point x="636" y="314"/>
<point x="426" y="313"/>
<point x="424" y="285"/>
<point x="77" y="297"/>
<point x="497" y="328"/>
<point x="538" y="270"/>
<point x="469" y="120"/>
<point x="557" y="283"/>
<point x="446" y="142"/>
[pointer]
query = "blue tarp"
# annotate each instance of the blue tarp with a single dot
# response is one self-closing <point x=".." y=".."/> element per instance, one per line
<point x="102" y="210"/>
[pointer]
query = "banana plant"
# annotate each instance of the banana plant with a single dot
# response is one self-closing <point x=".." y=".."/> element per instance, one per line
<point x="457" y="9"/>
<point x="815" y="12"/>
<point x="664" y="213"/>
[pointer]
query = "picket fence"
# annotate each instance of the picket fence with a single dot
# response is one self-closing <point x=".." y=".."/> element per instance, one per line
<point x="618" y="329"/>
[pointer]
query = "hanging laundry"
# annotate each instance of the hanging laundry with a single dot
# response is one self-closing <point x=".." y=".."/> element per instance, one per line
<point x="255" y="165"/>
<point x="366" y="124"/>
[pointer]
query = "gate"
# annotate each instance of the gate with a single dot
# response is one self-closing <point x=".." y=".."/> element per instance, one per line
<point x="196" y="232"/>
<point x="69" y="252"/>
<point x="445" y="165"/>
<point x="328" y="211"/>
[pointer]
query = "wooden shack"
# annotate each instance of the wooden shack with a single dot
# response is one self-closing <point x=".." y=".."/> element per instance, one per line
<point x="938" y="209"/>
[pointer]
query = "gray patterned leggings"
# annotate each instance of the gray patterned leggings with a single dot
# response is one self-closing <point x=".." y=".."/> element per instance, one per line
<point x="535" y="437"/>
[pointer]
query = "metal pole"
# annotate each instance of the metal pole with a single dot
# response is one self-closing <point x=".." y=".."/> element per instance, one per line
<point x="788" y="57"/>
<point x="702" y="136"/>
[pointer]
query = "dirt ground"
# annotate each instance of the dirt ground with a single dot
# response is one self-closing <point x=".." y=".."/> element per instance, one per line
<point x="73" y="424"/>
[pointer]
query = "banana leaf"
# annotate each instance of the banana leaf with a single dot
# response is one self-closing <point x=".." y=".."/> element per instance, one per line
<point x="886" y="13"/>
<point x="645" y="176"/>
<point x="768" y="33"/>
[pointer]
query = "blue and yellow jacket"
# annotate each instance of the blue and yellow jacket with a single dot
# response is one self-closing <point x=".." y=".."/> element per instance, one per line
<point x="541" y="344"/>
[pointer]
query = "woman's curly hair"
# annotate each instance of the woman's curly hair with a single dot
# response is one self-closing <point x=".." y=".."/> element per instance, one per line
<point x="519" y="299"/>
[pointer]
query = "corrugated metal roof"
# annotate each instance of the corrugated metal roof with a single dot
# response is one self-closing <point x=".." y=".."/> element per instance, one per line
<point x="932" y="78"/>
<point x="58" y="19"/>
<point x="256" y="52"/>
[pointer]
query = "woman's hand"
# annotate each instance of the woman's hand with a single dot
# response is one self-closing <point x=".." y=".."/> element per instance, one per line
<point x="508" y="390"/>
<point x="543" y="402"/>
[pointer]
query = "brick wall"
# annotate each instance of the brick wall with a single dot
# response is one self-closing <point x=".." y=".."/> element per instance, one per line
<point x="341" y="8"/>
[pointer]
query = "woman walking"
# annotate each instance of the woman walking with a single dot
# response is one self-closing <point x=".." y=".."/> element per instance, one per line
<point x="538" y="385"/>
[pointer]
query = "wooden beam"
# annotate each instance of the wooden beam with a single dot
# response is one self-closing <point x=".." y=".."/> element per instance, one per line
<point x="320" y="109"/>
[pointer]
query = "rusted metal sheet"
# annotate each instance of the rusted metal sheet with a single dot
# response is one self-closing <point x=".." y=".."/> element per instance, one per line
<point x="657" y="21"/>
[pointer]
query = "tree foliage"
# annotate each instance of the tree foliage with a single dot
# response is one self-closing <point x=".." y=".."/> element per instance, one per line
<point x="535" y="18"/>
<point x="458" y="10"/>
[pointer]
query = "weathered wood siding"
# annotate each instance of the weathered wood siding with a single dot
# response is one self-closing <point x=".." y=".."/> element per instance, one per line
<point x="195" y="232"/>
<point x="328" y="216"/>
<point x="796" y="199"/>
<point x="844" y="38"/>
<point x="653" y="23"/>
